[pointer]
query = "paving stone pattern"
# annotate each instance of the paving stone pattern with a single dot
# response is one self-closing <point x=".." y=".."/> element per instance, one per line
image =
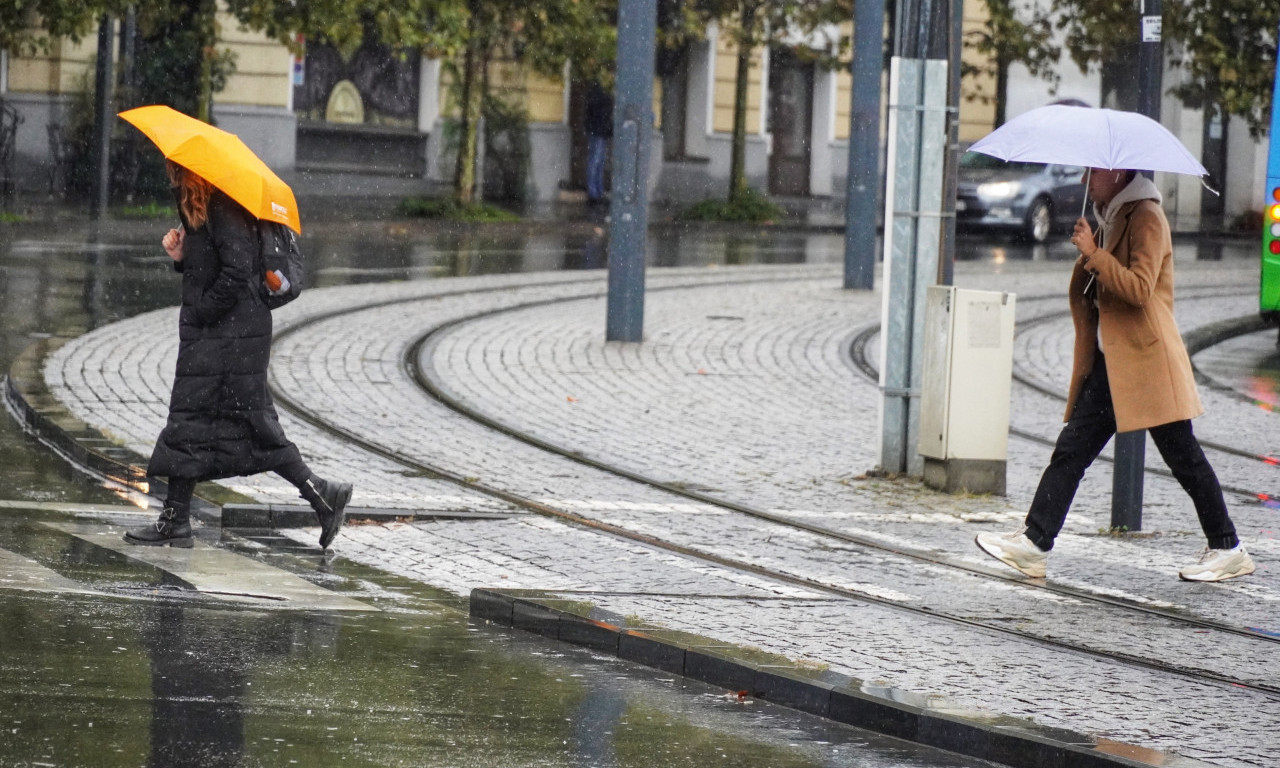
<point x="744" y="390"/>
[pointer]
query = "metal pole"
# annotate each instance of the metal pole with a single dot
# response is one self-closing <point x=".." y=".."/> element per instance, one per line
<point x="102" y="121"/>
<point x="629" y="207"/>
<point x="951" y="176"/>
<point x="1131" y="447"/>
<point x="862" y="193"/>
<point x="913" y="212"/>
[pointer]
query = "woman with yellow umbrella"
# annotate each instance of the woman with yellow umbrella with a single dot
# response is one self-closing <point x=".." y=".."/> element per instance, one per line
<point x="222" y="421"/>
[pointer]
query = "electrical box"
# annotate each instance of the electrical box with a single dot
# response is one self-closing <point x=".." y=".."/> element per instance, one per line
<point x="965" y="388"/>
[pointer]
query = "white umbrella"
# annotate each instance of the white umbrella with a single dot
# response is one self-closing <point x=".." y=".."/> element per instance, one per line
<point x="1094" y="138"/>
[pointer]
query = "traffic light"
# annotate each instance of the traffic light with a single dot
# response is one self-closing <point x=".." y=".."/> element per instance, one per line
<point x="1271" y="235"/>
<point x="1270" y="293"/>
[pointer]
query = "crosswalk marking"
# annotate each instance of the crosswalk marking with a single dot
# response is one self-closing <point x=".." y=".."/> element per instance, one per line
<point x="221" y="573"/>
<point x="23" y="573"/>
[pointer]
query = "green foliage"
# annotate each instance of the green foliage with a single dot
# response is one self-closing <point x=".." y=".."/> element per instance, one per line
<point x="1006" y="40"/>
<point x="751" y="24"/>
<point x="8" y="217"/>
<point x="150" y="210"/>
<point x="449" y="209"/>
<point x="433" y="26"/>
<point x="1227" y="47"/>
<point x="175" y="46"/>
<point x="507" y="149"/>
<point x="748" y="206"/>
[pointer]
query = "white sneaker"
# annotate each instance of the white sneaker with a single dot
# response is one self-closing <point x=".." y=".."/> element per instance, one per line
<point x="1014" y="550"/>
<point x="1219" y="565"/>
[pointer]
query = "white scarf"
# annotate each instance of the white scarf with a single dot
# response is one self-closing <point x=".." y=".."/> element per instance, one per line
<point x="1141" y="188"/>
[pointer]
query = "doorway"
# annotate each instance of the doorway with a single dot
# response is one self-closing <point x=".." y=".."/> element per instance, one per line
<point x="790" y="122"/>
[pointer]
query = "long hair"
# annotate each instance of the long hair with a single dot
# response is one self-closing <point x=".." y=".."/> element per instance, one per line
<point x="193" y="193"/>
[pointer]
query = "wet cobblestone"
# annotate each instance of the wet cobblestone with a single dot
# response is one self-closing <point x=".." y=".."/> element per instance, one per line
<point x="743" y="390"/>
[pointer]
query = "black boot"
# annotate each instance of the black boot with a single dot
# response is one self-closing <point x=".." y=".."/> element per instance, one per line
<point x="329" y="500"/>
<point x="173" y="529"/>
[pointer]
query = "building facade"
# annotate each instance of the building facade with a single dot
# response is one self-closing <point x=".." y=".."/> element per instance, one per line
<point x="379" y="112"/>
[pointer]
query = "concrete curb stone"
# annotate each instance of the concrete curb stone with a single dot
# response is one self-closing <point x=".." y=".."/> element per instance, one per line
<point x="838" y="697"/>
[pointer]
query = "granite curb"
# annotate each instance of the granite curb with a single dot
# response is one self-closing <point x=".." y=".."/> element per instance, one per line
<point x="844" y="699"/>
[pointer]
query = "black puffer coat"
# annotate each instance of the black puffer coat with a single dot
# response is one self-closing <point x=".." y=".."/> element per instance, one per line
<point x="222" y="421"/>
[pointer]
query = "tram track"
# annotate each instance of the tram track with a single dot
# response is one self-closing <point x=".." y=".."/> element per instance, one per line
<point x="412" y="364"/>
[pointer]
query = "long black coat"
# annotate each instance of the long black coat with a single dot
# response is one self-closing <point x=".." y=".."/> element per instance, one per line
<point x="222" y="421"/>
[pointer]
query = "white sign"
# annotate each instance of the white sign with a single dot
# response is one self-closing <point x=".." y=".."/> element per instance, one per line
<point x="1151" y="26"/>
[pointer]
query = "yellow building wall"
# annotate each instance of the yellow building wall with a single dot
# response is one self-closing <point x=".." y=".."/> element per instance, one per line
<point x="844" y="102"/>
<point x="542" y="97"/>
<point x="261" y="77"/>
<point x="60" y="71"/>
<point x="726" y="74"/>
<point x="545" y="99"/>
<point x="263" y="67"/>
<point x="976" y="118"/>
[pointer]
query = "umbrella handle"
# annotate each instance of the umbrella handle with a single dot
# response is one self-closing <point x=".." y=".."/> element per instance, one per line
<point x="1084" y="205"/>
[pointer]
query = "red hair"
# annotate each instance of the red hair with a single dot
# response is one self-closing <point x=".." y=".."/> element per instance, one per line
<point x="193" y="193"/>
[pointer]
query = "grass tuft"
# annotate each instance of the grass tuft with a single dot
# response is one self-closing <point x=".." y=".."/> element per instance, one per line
<point x="448" y="209"/>
<point x="752" y="206"/>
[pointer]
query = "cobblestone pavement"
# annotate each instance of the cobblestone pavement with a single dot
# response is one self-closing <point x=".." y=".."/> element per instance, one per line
<point x="744" y="391"/>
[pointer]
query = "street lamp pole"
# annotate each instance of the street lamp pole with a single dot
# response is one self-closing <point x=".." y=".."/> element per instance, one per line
<point x="102" y="121"/>
<point x="629" y="206"/>
<point x="1131" y="447"/>
<point x="862" y="193"/>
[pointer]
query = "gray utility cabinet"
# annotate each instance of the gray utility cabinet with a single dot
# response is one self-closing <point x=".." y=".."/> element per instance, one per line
<point x="964" y="408"/>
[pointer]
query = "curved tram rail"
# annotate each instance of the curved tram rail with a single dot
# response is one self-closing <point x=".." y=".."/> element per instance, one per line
<point x="857" y="350"/>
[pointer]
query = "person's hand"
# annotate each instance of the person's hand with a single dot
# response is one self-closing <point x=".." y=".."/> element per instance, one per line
<point x="1082" y="238"/>
<point x="172" y="242"/>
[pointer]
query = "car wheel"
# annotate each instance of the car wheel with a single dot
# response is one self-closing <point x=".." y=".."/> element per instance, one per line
<point x="1039" y="222"/>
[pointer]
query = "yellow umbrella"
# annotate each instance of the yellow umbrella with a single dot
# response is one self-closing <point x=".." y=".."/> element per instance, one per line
<point x="221" y="158"/>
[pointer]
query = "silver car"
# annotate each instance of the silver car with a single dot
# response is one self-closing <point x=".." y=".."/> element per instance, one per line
<point x="1028" y="199"/>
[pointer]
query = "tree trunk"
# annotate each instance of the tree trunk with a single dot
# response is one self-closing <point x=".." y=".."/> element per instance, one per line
<point x="464" y="185"/>
<point x="208" y="49"/>
<point x="738" y="161"/>
<point x="1002" y="90"/>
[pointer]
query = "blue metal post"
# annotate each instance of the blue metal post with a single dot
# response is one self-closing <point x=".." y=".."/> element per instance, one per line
<point x="1131" y="447"/>
<point x="629" y="207"/>
<point x="862" y="193"/>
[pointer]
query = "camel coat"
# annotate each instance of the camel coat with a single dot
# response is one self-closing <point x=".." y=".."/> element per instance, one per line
<point x="1147" y="364"/>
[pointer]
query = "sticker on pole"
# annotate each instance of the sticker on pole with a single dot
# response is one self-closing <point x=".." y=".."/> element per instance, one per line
<point x="1151" y="26"/>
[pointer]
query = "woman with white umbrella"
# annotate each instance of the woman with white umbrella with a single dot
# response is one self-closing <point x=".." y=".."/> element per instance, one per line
<point x="1130" y="372"/>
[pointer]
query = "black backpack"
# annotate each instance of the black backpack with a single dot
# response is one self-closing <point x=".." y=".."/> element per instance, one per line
<point x="280" y="259"/>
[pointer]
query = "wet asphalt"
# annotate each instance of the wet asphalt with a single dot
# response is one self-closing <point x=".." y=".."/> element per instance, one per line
<point x="110" y="657"/>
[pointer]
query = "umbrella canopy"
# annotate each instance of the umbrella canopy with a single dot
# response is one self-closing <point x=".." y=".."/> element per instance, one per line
<point x="221" y="158"/>
<point x="1096" y="138"/>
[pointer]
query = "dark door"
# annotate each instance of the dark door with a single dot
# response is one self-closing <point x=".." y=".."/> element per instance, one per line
<point x="577" y="134"/>
<point x="790" y="122"/>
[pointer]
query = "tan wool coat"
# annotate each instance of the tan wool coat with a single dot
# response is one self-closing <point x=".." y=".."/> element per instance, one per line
<point x="1147" y="363"/>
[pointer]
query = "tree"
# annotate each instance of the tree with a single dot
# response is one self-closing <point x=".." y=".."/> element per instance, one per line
<point x="543" y="36"/>
<point x="468" y="34"/>
<point x="29" y="27"/>
<point x="755" y="24"/>
<point x="1007" y="40"/>
<point x="1228" y="47"/>
<point x="183" y="34"/>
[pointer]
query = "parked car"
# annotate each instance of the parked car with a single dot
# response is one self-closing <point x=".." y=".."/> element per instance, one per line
<point x="1029" y="199"/>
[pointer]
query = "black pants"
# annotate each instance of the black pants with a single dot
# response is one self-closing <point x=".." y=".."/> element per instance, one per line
<point x="181" y="489"/>
<point x="1091" y="425"/>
